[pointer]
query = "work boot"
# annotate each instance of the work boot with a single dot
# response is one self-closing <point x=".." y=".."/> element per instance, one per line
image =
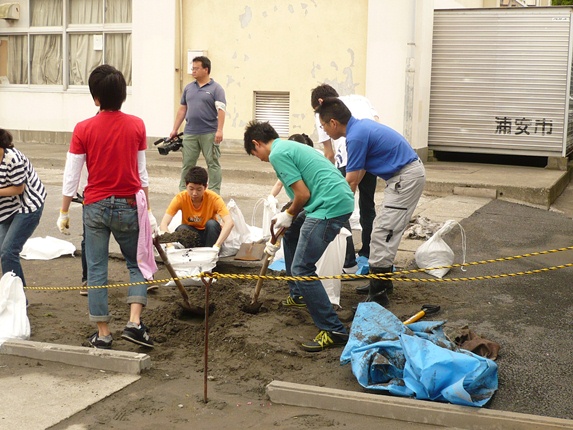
<point x="365" y="289"/>
<point x="379" y="288"/>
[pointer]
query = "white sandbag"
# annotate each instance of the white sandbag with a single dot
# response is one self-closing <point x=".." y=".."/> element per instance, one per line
<point x="190" y="262"/>
<point x="435" y="252"/>
<point x="355" y="216"/>
<point x="240" y="233"/>
<point x="331" y="263"/>
<point x="14" y="323"/>
<point x="46" y="248"/>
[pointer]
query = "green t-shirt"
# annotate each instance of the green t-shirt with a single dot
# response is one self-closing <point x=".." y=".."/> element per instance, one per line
<point x="330" y="194"/>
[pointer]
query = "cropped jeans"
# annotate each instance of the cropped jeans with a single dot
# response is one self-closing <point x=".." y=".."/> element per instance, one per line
<point x="304" y="243"/>
<point x="101" y="219"/>
<point x="14" y="232"/>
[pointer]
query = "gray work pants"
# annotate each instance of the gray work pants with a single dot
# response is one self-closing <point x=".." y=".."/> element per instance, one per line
<point x="401" y="197"/>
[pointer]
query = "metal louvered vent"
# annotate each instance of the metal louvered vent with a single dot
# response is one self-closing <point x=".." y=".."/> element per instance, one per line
<point x="273" y="106"/>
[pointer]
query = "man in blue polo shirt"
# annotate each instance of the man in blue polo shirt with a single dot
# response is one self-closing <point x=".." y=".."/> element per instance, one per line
<point x="321" y="203"/>
<point x="203" y="107"/>
<point x="375" y="148"/>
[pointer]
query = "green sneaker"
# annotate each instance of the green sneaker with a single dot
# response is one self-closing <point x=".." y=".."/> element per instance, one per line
<point x="325" y="339"/>
<point x="295" y="302"/>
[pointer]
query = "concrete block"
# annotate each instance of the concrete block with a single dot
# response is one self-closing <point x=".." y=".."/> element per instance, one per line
<point x="410" y="410"/>
<point x="108" y="360"/>
<point x="488" y="193"/>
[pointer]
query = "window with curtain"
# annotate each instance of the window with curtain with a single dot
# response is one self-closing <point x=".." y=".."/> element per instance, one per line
<point x="94" y="32"/>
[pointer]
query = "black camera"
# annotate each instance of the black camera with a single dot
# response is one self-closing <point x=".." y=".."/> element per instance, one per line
<point x="168" y="145"/>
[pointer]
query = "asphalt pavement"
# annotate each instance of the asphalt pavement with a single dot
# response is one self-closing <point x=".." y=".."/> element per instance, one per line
<point x="505" y="209"/>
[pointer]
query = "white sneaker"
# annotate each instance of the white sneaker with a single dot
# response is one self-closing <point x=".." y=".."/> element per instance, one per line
<point x="84" y="291"/>
<point x="350" y="270"/>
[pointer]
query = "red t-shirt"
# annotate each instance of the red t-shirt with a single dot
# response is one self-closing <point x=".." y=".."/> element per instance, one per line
<point x="110" y="141"/>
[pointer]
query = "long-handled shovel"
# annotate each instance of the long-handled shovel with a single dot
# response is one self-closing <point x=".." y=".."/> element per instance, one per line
<point x="188" y="307"/>
<point x="255" y="305"/>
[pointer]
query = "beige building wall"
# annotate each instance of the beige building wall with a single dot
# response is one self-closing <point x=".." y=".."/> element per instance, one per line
<point x="277" y="45"/>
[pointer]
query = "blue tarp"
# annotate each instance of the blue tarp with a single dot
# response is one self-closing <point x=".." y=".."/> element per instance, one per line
<point x="416" y="360"/>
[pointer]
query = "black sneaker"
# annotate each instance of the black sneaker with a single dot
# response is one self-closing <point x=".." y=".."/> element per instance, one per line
<point x="137" y="335"/>
<point x="98" y="343"/>
<point x="325" y="339"/>
<point x="295" y="302"/>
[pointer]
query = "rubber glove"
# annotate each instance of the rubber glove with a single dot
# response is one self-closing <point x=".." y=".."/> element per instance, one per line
<point x="63" y="222"/>
<point x="283" y="219"/>
<point x="271" y="249"/>
<point x="272" y="200"/>
<point x="152" y="222"/>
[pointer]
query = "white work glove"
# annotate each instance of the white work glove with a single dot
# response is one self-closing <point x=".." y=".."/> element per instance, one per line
<point x="271" y="249"/>
<point x="63" y="222"/>
<point x="216" y="248"/>
<point x="153" y="223"/>
<point x="283" y="219"/>
<point x="272" y="200"/>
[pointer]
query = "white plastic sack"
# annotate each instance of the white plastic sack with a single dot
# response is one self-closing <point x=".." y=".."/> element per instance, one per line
<point x="14" y="323"/>
<point x="270" y="209"/>
<point x="46" y="248"/>
<point x="435" y="252"/>
<point x="191" y="262"/>
<point x="240" y="233"/>
<point x="331" y="263"/>
<point x="355" y="216"/>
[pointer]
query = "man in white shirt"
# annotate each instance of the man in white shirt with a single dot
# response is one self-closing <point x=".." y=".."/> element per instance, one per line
<point x="335" y="151"/>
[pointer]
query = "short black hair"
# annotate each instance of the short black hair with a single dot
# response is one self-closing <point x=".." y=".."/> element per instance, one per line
<point x="197" y="175"/>
<point x="205" y="62"/>
<point x="334" y="108"/>
<point x="321" y="92"/>
<point x="107" y="84"/>
<point x="261" y="131"/>
<point x="5" y="139"/>
<point x="302" y="138"/>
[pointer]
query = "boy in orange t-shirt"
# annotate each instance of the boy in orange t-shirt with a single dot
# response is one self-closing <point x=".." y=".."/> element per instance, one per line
<point x="200" y="208"/>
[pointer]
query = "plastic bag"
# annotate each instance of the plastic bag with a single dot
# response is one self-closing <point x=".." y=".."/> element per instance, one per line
<point x="270" y="209"/>
<point x="331" y="263"/>
<point x="190" y="262"/>
<point x="46" y="248"/>
<point x="435" y="252"/>
<point x="240" y="233"/>
<point x="14" y="323"/>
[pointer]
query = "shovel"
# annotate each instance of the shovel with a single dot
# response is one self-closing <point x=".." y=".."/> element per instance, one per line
<point x="255" y="305"/>
<point x="253" y="251"/>
<point x="426" y="310"/>
<point x="188" y="307"/>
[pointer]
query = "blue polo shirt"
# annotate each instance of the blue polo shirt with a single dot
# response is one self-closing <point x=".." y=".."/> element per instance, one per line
<point x="376" y="148"/>
<point x="201" y="113"/>
<point x="330" y="194"/>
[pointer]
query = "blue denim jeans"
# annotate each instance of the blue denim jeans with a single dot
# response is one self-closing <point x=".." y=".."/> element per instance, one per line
<point x="209" y="236"/>
<point x="14" y="232"/>
<point x="304" y="243"/>
<point x="101" y="219"/>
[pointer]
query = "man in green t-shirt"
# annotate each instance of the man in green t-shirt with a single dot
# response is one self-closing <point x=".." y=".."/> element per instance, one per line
<point x="321" y="203"/>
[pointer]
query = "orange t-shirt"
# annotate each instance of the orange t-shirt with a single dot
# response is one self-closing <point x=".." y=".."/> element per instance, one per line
<point x="211" y="206"/>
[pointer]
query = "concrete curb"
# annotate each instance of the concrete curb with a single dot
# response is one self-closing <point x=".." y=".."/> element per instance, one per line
<point x="108" y="360"/>
<point x="409" y="410"/>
